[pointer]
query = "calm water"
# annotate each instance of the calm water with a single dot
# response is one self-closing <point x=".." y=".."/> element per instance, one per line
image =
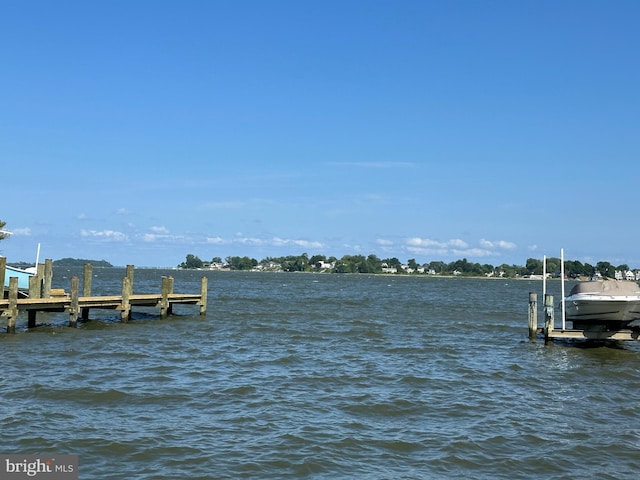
<point x="320" y="376"/>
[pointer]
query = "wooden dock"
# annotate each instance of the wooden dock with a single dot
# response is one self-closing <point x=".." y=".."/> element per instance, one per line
<point x="551" y="333"/>
<point x="42" y="298"/>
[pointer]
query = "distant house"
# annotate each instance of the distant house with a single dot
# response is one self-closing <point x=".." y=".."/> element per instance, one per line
<point x="217" y="266"/>
<point x="269" y="266"/>
<point x="322" y="265"/>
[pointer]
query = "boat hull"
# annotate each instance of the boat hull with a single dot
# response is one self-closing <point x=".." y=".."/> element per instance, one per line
<point x="23" y="277"/>
<point x="610" y="303"/>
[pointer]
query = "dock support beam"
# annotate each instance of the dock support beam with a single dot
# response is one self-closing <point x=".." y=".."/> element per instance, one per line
<point x="35" y="291"/>
<point x="12" y="312"/>
<point x="533" y="316"/>
<point x="48" y="276"/>
<point x="549" y="318"/>
<point x="167" y="289"/>
<point x="87" y="276"/>
<point x="125" y="314"/>
<point x="3" y="269"/>
<point x="203" y="296"/>
<point x="74" y="309"/>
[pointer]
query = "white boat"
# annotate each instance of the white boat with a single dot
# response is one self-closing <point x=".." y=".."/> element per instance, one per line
<point x="604" y="302"/>
<point x="23" y="276"/>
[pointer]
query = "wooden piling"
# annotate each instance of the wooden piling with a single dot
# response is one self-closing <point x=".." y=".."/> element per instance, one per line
<point x="87" y="278"/>
<point x="35" y="287"/>
<point x="549" y="317"/>
<point x="203" y="296"/>
<point x="533" y="316"/>
<point x="129" y="275"/>
<point x="74" y="308"/>
<point x="12" y="311"/>
<point x="167" y="288"/>
<point x="48" y="276"/>
<point x="3" y="269"/>
<point x="125" y="313"/>
<point x="35" y="291"/>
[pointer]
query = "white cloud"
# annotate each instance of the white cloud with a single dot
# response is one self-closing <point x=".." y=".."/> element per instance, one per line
<point x="151" y="237"/>
<point x="473" y="252"/>
<point x="159" y="233"/>
<point x="215" y="240"/>
<point x="457" y="243"/>
<point x="123" y="211"/>
<point x="249" y="241"/>
<point x="427" y="243"/>
<point x="109" y="235"/>
<point x="25" y="232"/>
<point x="307" y="244"/>
<point x="274" y="242"/>
<point x="383" y="242"/>
<point x="502" y="244"/>
<point x="457" y="247"/>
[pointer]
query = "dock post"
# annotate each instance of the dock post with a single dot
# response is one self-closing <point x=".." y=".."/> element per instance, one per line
<point x="125" y="314"/>
<point x="35" y="287"/>
<point x="129" y="275"/>
<point x="203" y="296"/>
<point x="35" y="291"/>
<point x="48" y="275"/>
<point x="549" y="319"/>
<point x="533" y="316"/>
<point x="73" y="308"/>
<point x="87" y="276"/>
<point x="13" y="305"/>
<point x="167" y="287"/>
<point x="170" y="282"/>
<point x="3" y="269"/>
<point x="40" y="275"/>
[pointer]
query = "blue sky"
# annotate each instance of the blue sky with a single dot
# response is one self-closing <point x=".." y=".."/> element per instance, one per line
<point x="141" y="131"/>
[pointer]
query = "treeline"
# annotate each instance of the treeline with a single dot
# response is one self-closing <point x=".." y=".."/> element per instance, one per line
<point x="80" y="262"/>
<point x="373" y="264"/>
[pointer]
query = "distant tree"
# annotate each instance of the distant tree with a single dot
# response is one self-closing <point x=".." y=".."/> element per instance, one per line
<point x="606" y="269"/>
<point x="241" y="263"/>
<point x="623" y="268"/>
<point x="216" y="260"/>
<point x="3" y="234"/>
<point x="80" y="262"/>
<point x="191" y="261"/>
<point x="413" y="264"/>
<point x="392" y="262"/>
<point x="437" y="266"/>
<point x="488" y="268"/>
<point x="589" y="270"/>
<point x="553" y="266"/>
<point x="573" y="269"/>
<point x="313" y="261"/>
<point x="534" y="266"/>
